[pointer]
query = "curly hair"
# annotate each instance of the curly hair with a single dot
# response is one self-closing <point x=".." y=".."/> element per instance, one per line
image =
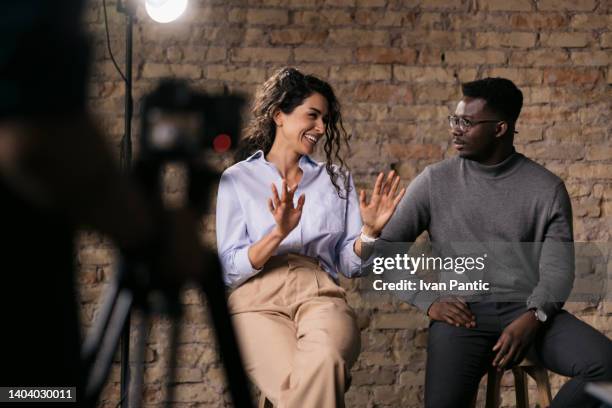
<point x="285" y="90"/>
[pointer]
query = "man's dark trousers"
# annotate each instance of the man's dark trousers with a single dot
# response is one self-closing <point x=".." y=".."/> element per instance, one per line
<point x="458" y="357"/>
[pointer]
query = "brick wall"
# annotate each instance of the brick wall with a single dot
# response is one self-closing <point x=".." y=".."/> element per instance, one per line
<point x="396" y="66"/>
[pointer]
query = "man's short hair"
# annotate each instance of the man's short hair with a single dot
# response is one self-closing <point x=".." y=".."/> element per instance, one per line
<point x="501" y="94"/>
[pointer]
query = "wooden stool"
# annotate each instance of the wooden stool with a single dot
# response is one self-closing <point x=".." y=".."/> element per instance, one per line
<point x="264" y="402"/>
<point x="520" y="372"/>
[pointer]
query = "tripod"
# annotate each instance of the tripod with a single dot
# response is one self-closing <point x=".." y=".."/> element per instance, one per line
<point x="137" y="283"/>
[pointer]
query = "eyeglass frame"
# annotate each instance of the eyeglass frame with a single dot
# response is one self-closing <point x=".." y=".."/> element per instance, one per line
<point x="472" y="123"/>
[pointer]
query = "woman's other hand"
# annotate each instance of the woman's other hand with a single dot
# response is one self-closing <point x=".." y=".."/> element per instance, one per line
<point x="383" y="202"/>
<point x="285" y="214"/>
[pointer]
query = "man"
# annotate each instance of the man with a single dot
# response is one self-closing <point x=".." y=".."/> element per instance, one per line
<point x="490" y="193"/>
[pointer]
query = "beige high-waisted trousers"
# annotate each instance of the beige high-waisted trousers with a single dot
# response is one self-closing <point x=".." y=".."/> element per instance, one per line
<point x="297" y="334"/>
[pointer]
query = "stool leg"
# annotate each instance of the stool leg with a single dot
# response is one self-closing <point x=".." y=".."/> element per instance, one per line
<point x="262" y="401"/>
<point x="540" y="375"/>
<point x="493" y="385"/>
<point x="520" y="388"/>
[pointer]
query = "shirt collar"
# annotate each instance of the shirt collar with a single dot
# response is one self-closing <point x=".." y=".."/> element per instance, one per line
<point x="259" y="155"/>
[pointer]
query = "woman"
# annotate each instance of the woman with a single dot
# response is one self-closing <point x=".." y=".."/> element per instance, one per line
<point x="297" y="333"/>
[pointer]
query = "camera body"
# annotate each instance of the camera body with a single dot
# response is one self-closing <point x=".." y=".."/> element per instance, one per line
<point x="178" y="122"/>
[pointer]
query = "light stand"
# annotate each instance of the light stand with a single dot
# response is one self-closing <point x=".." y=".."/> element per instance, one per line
<point x="125" y="161"/>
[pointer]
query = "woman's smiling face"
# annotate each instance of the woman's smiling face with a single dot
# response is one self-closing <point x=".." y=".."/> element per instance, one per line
<point x="301" y="129"/>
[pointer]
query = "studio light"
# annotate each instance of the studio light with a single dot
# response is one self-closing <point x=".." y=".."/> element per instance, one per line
<point x="165" y="11"/>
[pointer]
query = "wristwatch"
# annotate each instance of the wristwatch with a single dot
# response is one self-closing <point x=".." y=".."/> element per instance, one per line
<point x="539" y="314"/>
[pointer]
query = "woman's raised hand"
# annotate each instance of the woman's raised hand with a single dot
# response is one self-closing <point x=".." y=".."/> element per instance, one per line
<point x="383" y="202"/>
<point x="285" y="214"/>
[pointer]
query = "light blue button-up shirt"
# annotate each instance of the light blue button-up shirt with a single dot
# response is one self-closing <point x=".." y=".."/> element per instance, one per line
<point x="327" y="229"/>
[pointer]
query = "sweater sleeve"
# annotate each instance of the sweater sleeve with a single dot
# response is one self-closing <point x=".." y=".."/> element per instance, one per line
<point x="556" y="265"/>
<point x="411" y="218"/>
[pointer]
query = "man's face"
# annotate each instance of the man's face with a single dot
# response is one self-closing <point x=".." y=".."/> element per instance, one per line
<point x="478" y="141"/>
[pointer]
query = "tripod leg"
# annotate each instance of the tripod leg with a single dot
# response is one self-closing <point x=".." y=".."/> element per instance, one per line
<point x="96" y="334"/>
<point x="103" y="360"/>
<point x="173" y="352"/>
<point x="135" y="393"/>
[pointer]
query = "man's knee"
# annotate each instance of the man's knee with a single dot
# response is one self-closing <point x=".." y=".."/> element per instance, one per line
<point x="599" y="369"/>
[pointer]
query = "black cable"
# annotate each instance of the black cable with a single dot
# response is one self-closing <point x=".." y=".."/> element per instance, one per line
<point x="108" y="46"/>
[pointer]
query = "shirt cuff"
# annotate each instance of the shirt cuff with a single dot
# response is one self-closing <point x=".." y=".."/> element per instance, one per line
<point x="352" y="261"/>
<point x="243" y="268"/>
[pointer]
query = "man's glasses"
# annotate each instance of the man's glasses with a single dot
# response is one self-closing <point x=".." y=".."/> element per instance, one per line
<point x="463" y="124"/>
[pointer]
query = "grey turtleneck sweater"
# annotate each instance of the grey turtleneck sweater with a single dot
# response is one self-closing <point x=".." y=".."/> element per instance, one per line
<point x="515" y="201"/>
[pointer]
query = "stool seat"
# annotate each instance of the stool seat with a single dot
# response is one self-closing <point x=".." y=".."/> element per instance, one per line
<point x="525" y="368"/>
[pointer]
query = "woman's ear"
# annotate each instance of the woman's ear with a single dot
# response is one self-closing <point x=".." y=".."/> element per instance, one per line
<point x="277" y="116"/>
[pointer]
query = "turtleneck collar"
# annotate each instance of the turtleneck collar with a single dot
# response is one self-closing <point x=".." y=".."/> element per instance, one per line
<point x="502" y="169"/>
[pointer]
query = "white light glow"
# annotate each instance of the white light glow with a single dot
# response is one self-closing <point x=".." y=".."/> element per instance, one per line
<point x="165" y="11"/>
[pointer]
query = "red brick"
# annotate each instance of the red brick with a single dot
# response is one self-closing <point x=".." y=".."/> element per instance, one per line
<point x="432" y="92"/>
<point x="528" y="133"/>
<point x="442" y="4"/>
<point x="371" y="3"/>
<point x="270" y="17"/>
<point x="386" y="55"/>
<point x="297" y="36"/>
<point x="357" y="37"/>
<point x="505" y="5"/>
<point x="591" y="171"/>
<point x="514" y="39"/>
<point x="520" y="76"/>
<point x="381" y="93"/>
<point x="405" y="151"/>
<point x="478" y="21"/>
<point x="539" y="58"/>
<point x="591" y="21"/>
<point x="423" y="74"/>
<point x="334" y="55"/>
<point x="260" y="54"/>
<point x="242" y="74"/>
<point x="319" y="70"/>
<point x="556" y="5"/>
<point x="385" y="18"/>
<point x="317" y="18"/>
<point x="156" y="70"/>
<point x="429" y="21"/>
<point x="537" y="21"/>
<point x="575" y="39"/>
<point x="568" y="76"/>
<point x="435" y="38"/>
<point x="369" y="72"/>
<point x="554" y="151"/>
<point x="237" y="15"/>
<point x="467" y="74"/>
<point x="596" y="153"/>
<point x="431" y="56"/>
<point x="475" y="57"/>
<point x="591" y="58"/>
<point x="606" y="40"/>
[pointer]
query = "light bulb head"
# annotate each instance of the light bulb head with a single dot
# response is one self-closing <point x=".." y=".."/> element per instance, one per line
<point x="165" y="11"/>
